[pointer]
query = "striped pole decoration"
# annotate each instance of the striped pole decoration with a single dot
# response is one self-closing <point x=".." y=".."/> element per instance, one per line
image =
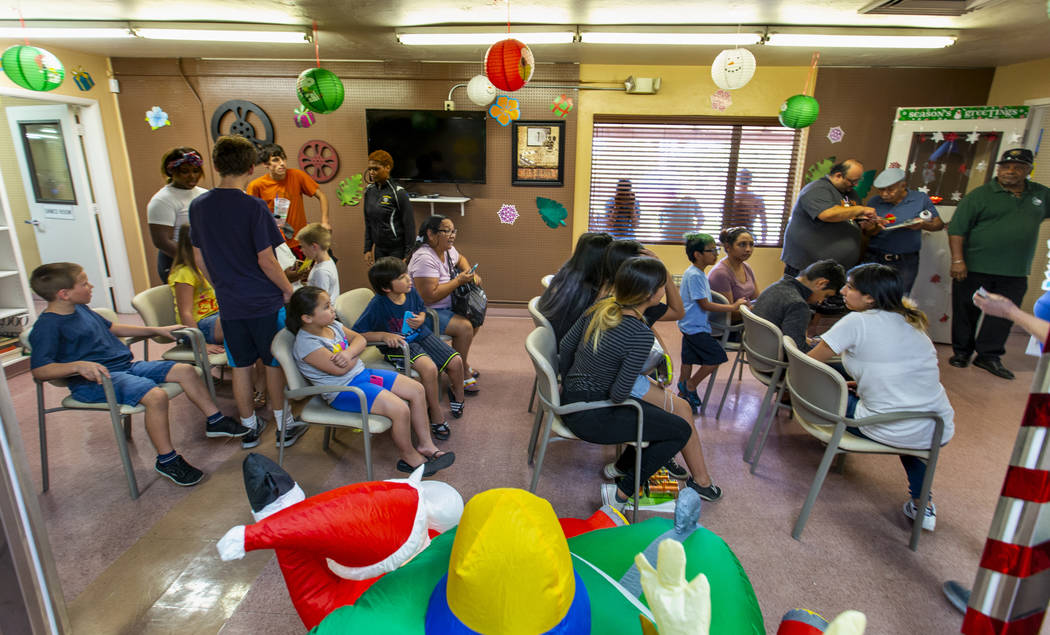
<point x="1012" y="588"/>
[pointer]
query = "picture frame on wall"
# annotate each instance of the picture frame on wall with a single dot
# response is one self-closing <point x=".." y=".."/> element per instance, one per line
<point x="538" y="153"/>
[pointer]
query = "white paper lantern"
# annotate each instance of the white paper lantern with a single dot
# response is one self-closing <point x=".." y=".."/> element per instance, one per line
<point x="733" y="68"/>
<point x="480" y="90"/>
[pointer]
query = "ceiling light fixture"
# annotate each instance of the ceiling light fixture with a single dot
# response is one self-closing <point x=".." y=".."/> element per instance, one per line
<point x="677" y="38"/>
<point x="484" y="39"/>
<point x="827" y="40"/>
<point x="54" y="33"/>
<point x="223" y="35"/>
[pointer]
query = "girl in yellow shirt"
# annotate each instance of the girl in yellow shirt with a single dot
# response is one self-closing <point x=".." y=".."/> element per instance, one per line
<point x="195" y="303"/>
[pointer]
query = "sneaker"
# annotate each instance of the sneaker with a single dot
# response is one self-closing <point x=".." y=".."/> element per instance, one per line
<point x="611" y="472"/>
<point x="292" y="433"/>
<point x="676" y="471"/>
<point x="710" y="493"/>
<point x="929" y="519"/>
<point x="609" y="493"/>
<point x="251" y="439"/>
<point x="690" y="396"/>
<point x="225" y="427"/>
<point x="179" y="471"/>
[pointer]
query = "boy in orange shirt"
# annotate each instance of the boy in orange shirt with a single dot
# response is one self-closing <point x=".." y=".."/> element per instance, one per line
<point x="282" y="183"/>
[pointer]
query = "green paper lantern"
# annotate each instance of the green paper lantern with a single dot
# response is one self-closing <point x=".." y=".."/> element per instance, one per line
<point x="319" y="90"/>
<point x="799" y="111"/>
<point x="33" y="68"/>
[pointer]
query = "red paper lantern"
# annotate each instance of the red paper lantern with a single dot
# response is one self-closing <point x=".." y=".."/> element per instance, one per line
<point x="509" y="64"/>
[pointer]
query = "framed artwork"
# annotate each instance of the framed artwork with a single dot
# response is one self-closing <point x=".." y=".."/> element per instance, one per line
<point x="538" y="153"/>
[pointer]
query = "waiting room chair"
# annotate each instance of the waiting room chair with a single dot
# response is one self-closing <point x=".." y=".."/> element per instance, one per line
<point x="721" y="329"/>
<point x="538" y="319"/>
<point x="119" y="415"/>
<point x="317" y="411"/>
<point x="542" y="349"/>
<point x="156" y="307"/>
<point x="761" y="342"/>
<point x="348" y="308"/>
<point x="818" y="399"/>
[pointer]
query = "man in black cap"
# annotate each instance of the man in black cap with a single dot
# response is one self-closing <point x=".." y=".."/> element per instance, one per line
<point x="992" y="237"/>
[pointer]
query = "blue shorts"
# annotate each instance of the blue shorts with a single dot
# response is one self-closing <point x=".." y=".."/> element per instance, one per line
<point x="641" y="386"/>
<point x="130" y="385"/>
<point x="249" y="339"/>
<point x="702" y="349"/>
<point x="444" y="317"/>
<point x="207" y="326"/>
<point x="371" y="381"/>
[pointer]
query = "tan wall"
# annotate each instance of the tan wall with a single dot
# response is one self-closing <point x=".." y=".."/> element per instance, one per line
<point x="16" y="192"/>
<point x="1013" y="85"/>
<point x="684" y="91"/>
<point x="99" y="69"/>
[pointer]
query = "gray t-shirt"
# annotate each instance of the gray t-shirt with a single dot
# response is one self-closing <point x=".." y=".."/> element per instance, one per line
<point x="306" y="343"/>
<point x="809" y="239"/>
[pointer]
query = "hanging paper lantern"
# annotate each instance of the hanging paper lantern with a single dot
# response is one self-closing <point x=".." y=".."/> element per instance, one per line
<point x="33" y="68"/>
<point x="509" y="64"/>
<point x="480" y="90"/>
<point x="799" y="111"/>
<point x="562" y="106"/>
<point x="733" y="68"/>
<point x="320" y="90"/>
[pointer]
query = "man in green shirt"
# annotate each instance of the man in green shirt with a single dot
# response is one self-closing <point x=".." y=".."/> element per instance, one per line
<point x="992" y="238"/>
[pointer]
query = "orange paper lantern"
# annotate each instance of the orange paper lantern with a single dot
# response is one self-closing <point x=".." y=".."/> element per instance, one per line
<point x="509" y="64"/>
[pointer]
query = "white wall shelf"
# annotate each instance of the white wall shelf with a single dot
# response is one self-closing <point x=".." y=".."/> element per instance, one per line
<point x="462" y="200"/>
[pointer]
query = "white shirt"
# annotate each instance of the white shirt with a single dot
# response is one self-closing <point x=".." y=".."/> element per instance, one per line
<point x="286" y="258"/>
<point x="171" y="207"/>
<point x="325" y="276"/>
<point x="895" y="366"/>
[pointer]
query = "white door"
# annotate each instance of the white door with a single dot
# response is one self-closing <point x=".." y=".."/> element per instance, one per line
<point x="49" y="146"/>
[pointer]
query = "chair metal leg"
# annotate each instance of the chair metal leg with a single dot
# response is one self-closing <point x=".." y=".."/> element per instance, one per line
<point x="535" y="434"/>
<point x="366" y="429"/>
<point x="41" y="415"/>
<point x="755" y="429"/>
<point x="548" y="421"/>
<point x="637" y="473"/>
<point x="924" y="499"/>
<point x="765" y="429"/>
<point x="327" y="442"/>
<point x="532" y="397"/>
<point x="707" y="393"/>
<point x="818" y="482"/>
<point x="729" y="383"/>
<point x="126" y="419"/>
<point x="122" y="445"/>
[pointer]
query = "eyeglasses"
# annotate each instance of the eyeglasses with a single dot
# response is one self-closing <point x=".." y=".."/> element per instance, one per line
<point x="450" y="232"/>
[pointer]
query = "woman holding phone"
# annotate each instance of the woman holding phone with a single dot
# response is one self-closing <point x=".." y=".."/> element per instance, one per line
<point x="431" y="267"/>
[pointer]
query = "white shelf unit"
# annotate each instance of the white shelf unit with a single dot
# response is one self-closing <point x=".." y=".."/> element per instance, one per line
<point x="461" y="200"/>
<point x="15" y="297"/>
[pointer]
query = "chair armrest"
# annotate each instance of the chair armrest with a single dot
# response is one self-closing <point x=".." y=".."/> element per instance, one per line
<point x="432" y="314"/>
<point x="890" y="417"/>
<point x="198" y="345"/>
<point x="404" y="351"/>
<point x="580" y="406"/>
<point x="312" y="391"/>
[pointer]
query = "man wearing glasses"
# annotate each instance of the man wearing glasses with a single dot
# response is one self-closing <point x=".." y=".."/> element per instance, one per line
<point x="827" y="221"/>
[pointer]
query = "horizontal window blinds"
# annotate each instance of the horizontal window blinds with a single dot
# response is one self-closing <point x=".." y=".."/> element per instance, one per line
<point x="655" y="180"/>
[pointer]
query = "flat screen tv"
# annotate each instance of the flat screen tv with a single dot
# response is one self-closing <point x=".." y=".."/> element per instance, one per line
<point x="430" y="146"/>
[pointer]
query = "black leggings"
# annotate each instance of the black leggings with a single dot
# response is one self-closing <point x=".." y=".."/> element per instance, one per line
<point x="666" y="433"/>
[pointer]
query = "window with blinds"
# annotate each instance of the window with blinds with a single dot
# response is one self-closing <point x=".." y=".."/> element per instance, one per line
<point x="655" y="179"/>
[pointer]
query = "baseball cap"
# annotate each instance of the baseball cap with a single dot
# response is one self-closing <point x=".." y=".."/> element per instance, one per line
<point x="1018" y="155"/>
<point x="888" y="177"/>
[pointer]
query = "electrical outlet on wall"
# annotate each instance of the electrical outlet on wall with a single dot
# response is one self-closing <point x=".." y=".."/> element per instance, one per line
<point x="450" y="105"/>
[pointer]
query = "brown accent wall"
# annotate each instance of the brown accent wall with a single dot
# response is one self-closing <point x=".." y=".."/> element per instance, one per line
<point x="863" y="102"/>
<point x="512" y="258"/>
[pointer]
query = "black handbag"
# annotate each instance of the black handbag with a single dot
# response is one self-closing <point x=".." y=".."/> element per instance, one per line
<point x="468" y="300"/>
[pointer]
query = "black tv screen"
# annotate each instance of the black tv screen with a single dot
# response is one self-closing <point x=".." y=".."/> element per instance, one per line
<point x="430" y="146"/>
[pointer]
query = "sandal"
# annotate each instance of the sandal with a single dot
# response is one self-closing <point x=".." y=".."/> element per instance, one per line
<point x="434" y="463"/>
<point x="475" y="374"/>
<point x="455" y="406"/>
<point x="440" y="431"/>
<point x="259" y="399"/>
<point x="470" y="386"/>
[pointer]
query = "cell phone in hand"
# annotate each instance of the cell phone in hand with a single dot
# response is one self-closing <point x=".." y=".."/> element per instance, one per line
<point x="473" y="269"/>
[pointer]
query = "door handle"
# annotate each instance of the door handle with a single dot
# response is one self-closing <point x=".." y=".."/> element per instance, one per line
<point x="34" y="222"/>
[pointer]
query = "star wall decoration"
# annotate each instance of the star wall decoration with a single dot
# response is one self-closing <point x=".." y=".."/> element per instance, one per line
<point x="937" y="136"/>
<point x="973" y="137"/>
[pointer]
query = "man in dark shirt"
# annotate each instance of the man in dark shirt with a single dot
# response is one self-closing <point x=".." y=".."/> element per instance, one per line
<point x="786" y="303"/>
<point x="827" y="220"/>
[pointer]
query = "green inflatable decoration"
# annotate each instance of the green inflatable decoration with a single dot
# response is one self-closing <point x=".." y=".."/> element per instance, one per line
<point x="397" y="603"/>
<point x="799" y="111"/>
<point x="319" y="90"/>
<point x="33" y="68"/>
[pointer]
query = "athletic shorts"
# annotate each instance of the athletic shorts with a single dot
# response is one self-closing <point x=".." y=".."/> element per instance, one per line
<point x="130" y="385"/>
<point x="249" y="339"/>
<point x="371" y="381"/>
<point x="702" y="349"/>
<point x="432" y="346"/>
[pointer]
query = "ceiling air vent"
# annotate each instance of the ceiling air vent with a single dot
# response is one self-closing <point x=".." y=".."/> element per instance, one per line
<point x="924" y="7"/>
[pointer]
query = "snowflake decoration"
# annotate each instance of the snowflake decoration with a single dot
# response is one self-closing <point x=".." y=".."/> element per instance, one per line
<point x="895" y="164"/>
<point x="937" y="136"/>
<point x="507" y="214"/>
<point x="973" y="137"/>
<point x="981" y="166"/>
<point x="911" y="168"/>
<point x="1015" y="137"/>
<point x="836" y="134"/>
<point x="721" y="99"/>
<point x="923" y="189"/>
<point x="157" y="118"/>
<point x="956" y="196"/>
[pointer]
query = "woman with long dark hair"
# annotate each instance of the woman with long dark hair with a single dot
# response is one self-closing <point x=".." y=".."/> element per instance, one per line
<point x="575" y="286"/>
<point x="600" y="358"/>
<point x="884" y="345"/>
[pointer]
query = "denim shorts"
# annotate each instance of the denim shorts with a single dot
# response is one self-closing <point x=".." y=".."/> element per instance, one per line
<point x="207" y="326"/>
<point x="641" y="386"/>
<point x="130" y="385"/>
<point x="444" y="317"/>
<point x="371" y="381"/>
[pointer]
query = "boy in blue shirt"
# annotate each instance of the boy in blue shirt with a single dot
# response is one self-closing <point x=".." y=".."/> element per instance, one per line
<point x="71" y="341"/>
<point x="698" y="346"/>
<point x="235" y="235"/>
<point x="385" y="319"/>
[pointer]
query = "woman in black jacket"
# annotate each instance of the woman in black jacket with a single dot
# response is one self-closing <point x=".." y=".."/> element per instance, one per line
<point x="390" y="227"/>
